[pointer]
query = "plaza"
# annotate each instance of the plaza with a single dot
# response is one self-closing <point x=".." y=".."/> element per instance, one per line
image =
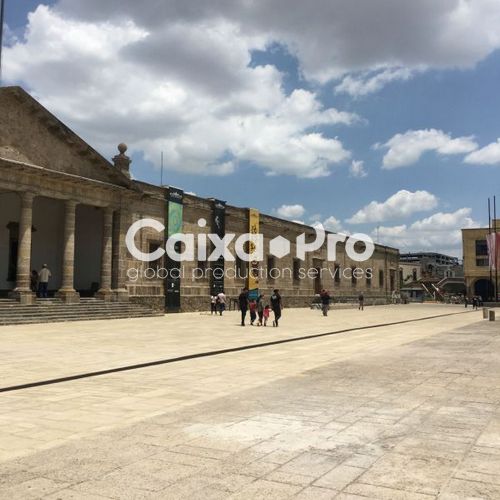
<point x="393" y="402"/>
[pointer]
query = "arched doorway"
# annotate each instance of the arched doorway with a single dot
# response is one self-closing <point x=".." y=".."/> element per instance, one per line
<point x="484" y="288"/>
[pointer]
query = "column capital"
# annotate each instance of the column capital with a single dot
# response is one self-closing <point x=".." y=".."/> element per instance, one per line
<point x="27" y="196"/>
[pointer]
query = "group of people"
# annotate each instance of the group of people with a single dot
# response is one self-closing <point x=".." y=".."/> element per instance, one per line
<point x="259" y="311"/>
<point x="218" y="303"/>
<point x="326" y="299"/>
<point x="39" y="281"/>
<point x="476" y="302"/>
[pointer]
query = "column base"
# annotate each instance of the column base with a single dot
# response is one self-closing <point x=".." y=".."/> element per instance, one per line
<point x="106" y="295"/>
<point x="121" y="295"/>
<point x="68" y="296"/>
<point x="25" y="297"/>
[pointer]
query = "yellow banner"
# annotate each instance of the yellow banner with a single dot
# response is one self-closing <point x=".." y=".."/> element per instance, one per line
<point x="253" y="268"/>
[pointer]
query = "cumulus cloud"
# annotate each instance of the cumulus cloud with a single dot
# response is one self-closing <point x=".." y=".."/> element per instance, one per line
<point x="401" y="204"/>
<point x="439" y="232"/>
<point x="290" y="211"/>
<point x="406" y="149"/>
<point x="489" y="155"/>
<point x="182" y="87"/>
<point x="342" y="37"/>
<point x="357" y="169"/>
<point x="370" y="82"/>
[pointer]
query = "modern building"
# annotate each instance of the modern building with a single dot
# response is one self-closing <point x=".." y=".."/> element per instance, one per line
<point x="64" y="205"/>
<point x="430" y="274"/>
<point x="479" y="278"/>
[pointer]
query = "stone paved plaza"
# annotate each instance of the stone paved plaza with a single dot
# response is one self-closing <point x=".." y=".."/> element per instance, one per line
<point x="403" y="411"/>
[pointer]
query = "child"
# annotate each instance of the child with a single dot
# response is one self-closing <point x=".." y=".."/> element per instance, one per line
<point x="253" y="311"/>
<point x="267" y="310"/>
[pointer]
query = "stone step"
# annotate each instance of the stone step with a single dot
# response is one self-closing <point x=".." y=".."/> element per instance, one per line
<point x="61" y="319"/>
<point x="54" y="310"/>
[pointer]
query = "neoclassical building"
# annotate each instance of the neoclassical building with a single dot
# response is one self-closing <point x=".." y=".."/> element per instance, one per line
<point x="64" y="205"/>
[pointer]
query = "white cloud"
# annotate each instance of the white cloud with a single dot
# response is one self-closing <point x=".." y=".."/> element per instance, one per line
<point x="406" y="149"/>
<point x="372" y="81"/>
<point x="290" y="211"/>
<point x="184" y="87"/>
<point x="341" y="37"/>
<point x="333" y="224"/>
<point x="357" y="169"/>
<point x="401" y="204"/>
<point x="489" y="155"/>
<point x="439" y="232"/>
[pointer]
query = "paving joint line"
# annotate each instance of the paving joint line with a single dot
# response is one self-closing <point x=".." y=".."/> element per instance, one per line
<point x="218" y="352"/>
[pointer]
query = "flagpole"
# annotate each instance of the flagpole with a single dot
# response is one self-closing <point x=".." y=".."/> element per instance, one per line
<point x="496" y="245"/>
<point x="1" y="36"/>
<point x="489" y="247"/>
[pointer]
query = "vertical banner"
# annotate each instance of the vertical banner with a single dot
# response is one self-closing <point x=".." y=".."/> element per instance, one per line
<point x="218" y="228"/>
<point x="493" y="242"/>
<point x="253" y="268"/>
<point x="174" y="209"/>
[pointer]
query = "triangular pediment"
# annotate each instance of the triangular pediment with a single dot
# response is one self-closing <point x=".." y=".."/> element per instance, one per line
<point x="29" y="133"/>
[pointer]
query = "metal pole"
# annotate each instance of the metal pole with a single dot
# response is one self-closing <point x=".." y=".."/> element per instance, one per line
<point x="489" y="257"/>
<point x="161" y="174"/>
<point x="496" y="248"/>
<point x="1" y="36"/>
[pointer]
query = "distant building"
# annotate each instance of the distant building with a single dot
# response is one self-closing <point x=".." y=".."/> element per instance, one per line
<point x="478" y="278"/>
<point x="430" y="274"/>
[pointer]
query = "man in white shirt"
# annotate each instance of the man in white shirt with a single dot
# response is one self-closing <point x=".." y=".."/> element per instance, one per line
<point x="221" y="298"/>
<point x="43" y="281"/>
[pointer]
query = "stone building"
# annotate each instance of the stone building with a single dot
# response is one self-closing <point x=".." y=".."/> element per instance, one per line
<point x="64" y="205"/>
<point x="479" y="278"/>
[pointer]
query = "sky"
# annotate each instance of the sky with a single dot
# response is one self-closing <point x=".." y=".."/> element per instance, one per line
<point x="379" y="117"/>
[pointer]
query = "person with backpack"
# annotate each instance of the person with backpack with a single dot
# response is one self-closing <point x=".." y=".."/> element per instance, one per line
<point x="276" y="306"/>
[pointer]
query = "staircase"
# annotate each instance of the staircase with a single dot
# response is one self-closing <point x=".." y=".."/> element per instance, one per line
<point x="54" y="310"/>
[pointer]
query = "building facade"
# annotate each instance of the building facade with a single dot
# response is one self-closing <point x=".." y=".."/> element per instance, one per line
<point x="480" y="279"/>
<point x="64" y="205"/>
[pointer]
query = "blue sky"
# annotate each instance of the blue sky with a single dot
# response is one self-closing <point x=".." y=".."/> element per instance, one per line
<point x="442" y="101"/>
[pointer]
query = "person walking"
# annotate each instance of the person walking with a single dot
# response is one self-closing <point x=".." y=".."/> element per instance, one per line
<point x="325" y="302"/>
<point x="213" y="304"/>
<point x="260" y="309"/>
<point x="253" y="311"/>
<point x="221" y="299"/>
<point x="43" y="281"/>
<point x="276" y="306"/>
<point x="267" y="311"/>
<point x="243" y="303"/>
<point x="475" y="303"/>
<point x="361" y="302"/>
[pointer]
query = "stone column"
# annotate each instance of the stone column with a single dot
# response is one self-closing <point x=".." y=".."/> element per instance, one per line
<point x="23" y="291"/>
<point x="67" y="291"/>
<point x="105" y="292"/>
<point x="120" y="253"/>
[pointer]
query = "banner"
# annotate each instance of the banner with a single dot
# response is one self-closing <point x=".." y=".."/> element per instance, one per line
<point x="493" y="241"/>
<point x="175" y="198"/>
<point x="253" y="269"/>
<point x="218" y="228"/>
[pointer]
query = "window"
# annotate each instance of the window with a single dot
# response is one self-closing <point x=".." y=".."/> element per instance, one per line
<point x="153" y="246"/>
<point x="296" y="270"/>
<point x="482" y="262"/>
<point x="381" y="278"/>
<point x="392" y="278"/>
<point x="337" y="273"/>
<point x="354" y="279"/>
<point x="369" y="277"/>
<point x="481" y="248"/>
<point x="241" y="268"/>
<point x="271" y="264"/>
<point x="414" y="274"/>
